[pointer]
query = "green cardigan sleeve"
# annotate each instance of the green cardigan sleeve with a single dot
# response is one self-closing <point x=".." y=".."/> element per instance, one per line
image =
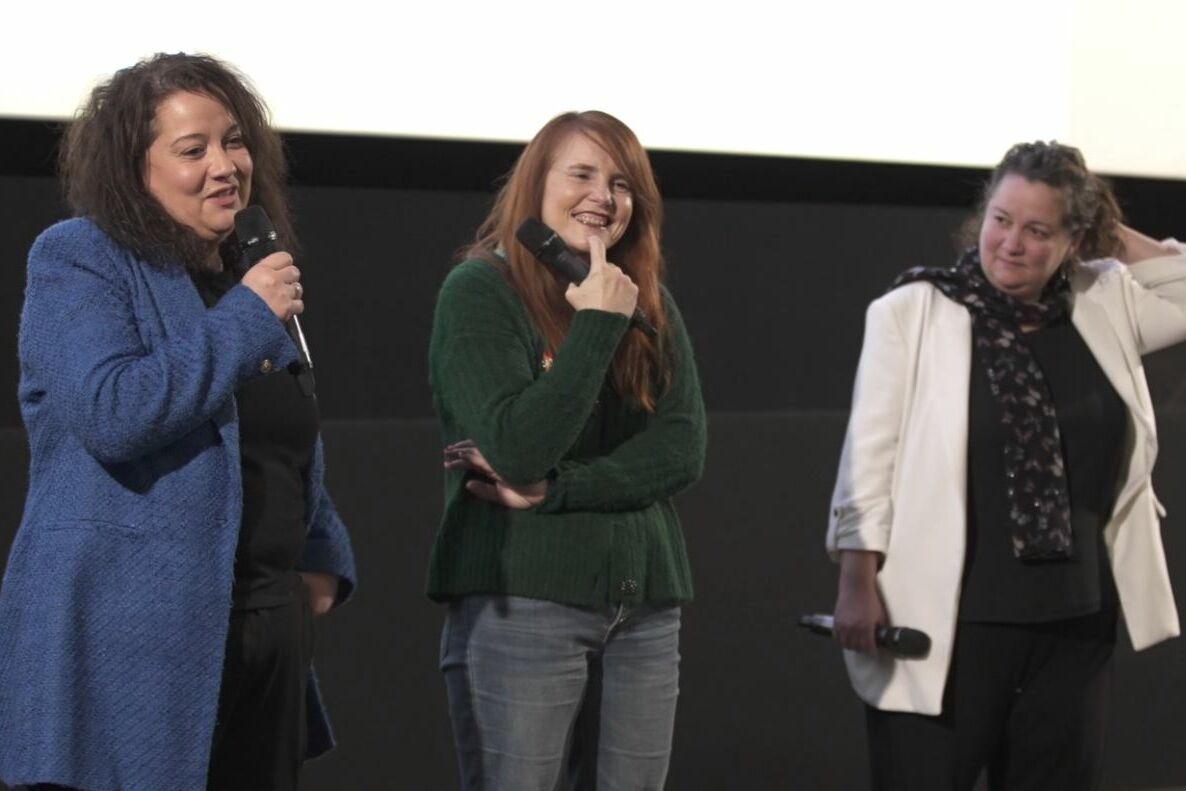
<point x="482" y="360"/>
<point x="657" y="462"/>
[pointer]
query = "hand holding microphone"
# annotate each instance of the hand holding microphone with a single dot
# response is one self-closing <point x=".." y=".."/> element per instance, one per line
<point x="277" y="282"/>
<point x="901" y="641"/>
<point x="272" y="274"/>
<point x="860" y="622"/>
<point x="547" y="246"/>
<point x="605" y="288"/>
<point x="859" y="611"/>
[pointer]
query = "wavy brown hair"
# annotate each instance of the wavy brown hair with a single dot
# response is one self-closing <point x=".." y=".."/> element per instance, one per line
<point x="103" y="160"/>
<point x="1091" y="213"/>
<point x="640" y="370"/>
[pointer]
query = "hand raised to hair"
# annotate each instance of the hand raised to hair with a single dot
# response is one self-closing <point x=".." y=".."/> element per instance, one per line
<point x="1139" y="247"/>
<point x="606" y="288"/>
<point x="464" y="455"/>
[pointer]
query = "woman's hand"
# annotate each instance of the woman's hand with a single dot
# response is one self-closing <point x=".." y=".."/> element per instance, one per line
<point x="464" y="455"/>
<point x="606" y="288"/>
<point x="323" y="590"/>
<point x="277" y="282"/>
<point x="1138" y="246"/>
<point x="859" y="609"/>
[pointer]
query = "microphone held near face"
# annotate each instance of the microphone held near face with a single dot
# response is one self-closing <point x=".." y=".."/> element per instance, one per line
<point x="546" y="245"/>
<point x="257" y="240"/>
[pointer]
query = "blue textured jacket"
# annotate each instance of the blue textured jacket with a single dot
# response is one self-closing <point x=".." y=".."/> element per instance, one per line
<point x="117" y="593"/>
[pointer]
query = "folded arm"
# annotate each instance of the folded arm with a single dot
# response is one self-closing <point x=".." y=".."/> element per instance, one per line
<point x="664" y="458"/>
<point x="483" y="368"/>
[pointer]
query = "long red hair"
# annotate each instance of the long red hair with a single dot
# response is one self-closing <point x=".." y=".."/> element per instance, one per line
<point x="640" y="371"/>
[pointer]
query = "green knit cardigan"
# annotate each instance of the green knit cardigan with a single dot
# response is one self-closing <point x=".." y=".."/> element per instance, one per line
<point x="607" y="532"/>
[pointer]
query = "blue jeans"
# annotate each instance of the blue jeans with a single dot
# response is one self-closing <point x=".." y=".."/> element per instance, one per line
<point x="545" y="697"/>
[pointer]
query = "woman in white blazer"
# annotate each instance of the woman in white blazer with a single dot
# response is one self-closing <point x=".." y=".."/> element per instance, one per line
<point x="994" y="487"/>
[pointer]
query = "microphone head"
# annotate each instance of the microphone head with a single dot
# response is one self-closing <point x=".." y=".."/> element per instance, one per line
<point x="544" y="243"/>
<point x="253" y="221"/>
<point x="908" y="643"/>
<point x="257" y="237"/>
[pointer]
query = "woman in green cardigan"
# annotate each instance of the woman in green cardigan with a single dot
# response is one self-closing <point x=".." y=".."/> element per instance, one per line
<point x="567" y="432"/>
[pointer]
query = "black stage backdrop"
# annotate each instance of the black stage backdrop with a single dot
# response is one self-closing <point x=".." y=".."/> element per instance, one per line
<point x="772" y="262"/>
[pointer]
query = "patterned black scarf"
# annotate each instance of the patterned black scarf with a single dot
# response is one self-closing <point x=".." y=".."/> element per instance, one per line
<point x="1035" y="475"/>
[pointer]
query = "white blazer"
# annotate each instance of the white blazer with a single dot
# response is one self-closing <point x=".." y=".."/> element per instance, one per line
<point x="901" y="488"/>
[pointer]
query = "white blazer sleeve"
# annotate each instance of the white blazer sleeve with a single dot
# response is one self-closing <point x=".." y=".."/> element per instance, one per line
<point x="862" y="507"/>
<point x="1155" y="299"/>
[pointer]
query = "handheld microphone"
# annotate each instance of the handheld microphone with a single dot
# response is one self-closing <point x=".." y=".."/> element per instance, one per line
<point x="257" y="240"/>
<point x="900" y="641"/>
<point x="546" y="245"/>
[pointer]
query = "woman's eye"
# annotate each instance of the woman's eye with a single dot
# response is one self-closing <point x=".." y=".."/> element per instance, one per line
<point x="193" y="153"/>
<point x="621" y="185"/>
<point x="235" y="142"/>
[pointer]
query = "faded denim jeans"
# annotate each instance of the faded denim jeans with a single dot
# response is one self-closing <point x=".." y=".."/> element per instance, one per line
<point x="548" y="697"/>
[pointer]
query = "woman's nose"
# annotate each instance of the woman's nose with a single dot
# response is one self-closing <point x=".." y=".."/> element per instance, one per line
<point x="603" y="194"/>
<point x="221" y="164"/>
<point x="1014" y="239"/>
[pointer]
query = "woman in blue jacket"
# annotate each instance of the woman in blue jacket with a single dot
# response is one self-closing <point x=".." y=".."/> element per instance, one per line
<point x="177" y="537"/>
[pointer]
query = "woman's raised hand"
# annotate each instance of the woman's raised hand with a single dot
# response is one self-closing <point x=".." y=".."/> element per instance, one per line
<point x="606" y="288"/>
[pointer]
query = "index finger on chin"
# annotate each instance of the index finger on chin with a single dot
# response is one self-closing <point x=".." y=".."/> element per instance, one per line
<point x="596" y="253"/>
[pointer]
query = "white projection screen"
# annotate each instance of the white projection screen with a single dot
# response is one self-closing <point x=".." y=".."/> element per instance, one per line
<point x="917" y="81"/>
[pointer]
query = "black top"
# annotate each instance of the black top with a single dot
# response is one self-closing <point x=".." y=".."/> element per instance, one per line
<point x="278" y="427"/>
<point x="1092" y="420"/>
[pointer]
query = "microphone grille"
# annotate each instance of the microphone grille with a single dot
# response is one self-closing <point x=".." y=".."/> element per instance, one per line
<point x="912" y="643"/>
<point x="253" y="225"/>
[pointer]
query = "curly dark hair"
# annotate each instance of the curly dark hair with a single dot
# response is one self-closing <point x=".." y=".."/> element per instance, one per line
<point x="103" y="158"/>
<point x="1091" y="212"/>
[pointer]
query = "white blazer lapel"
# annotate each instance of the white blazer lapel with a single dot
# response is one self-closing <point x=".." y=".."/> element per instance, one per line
<point x="951" y="336"/>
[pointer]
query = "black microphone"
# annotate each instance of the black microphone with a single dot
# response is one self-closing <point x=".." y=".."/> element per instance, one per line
<point x="546" y="245"/>
<point x="257" y="241"/>
<point x="901" y="641"/>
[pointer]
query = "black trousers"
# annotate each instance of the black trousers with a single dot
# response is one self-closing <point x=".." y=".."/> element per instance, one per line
<point x="260" y="735"/>
<point x="1026" y="701"/>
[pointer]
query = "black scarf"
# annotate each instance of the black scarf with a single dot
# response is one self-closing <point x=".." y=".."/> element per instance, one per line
<point x="1035" y="475"/>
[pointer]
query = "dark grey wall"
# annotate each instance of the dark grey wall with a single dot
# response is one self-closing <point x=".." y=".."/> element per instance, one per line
<point x="770" y="291"/>
<point x="773" y="288"/>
